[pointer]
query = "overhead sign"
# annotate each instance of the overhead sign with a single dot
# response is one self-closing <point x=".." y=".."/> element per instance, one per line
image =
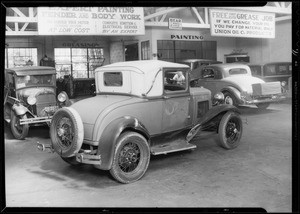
<point x="186" y="37"/>
<point x="91" y="21"/>
<point x="233" y="23"/>
<point x="175" y="24"/>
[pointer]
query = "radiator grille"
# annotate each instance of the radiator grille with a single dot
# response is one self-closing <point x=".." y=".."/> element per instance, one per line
<point x="202" y="108"/>
<point x="44" y="100"/>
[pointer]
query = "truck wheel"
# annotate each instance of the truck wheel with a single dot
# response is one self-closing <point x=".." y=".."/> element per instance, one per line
<point x="131" y="158"/>
<point x="18" y="131"/>
<point x="230" y="99"/>
<point x="230" y="130"/>
<point x="66" y="132"/>
<point x="263" y="106"/>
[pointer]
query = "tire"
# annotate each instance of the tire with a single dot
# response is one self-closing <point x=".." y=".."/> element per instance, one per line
<point x="230" y="130"/>
<point x="134" y="147"/>
<point x="71" y="160"/>
<point x="230" y="99"/>
<point x="18" y="131"/>
<point x="263" y="106"/>
<point x="66" y="132"/>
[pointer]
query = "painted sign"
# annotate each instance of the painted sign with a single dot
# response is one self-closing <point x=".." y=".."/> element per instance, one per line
<point x="91" y="21"/>
<point x="234" y="23"/>
<point x="186" y="37"/>
<point x="175" y="24"/>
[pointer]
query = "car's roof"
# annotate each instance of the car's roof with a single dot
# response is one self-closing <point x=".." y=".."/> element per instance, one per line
<point x="199" y="60"/>
<point x="31" y="70"/>
<point x="269" y="63"/>
<point x="145" y="66"/>
<point x="229" y="65"/>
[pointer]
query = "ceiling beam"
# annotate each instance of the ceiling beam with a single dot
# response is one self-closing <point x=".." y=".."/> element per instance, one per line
<point x="198" y="15"/>
<point x="163" y="12"/>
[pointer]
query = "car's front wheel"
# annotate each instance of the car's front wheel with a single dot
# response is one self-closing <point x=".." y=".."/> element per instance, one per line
<point x="230" y="130"/>
<point x="131" y="158"/>
<point x="18" y="131"/>
<point x="230" y="99"/>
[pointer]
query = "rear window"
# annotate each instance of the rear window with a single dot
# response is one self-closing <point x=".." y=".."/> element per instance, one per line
<point x="235" y="71"/>
<point x="113" y="79"/>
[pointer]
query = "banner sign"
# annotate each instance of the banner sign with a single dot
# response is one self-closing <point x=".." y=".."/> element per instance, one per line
<point x="186" y="37"/>
<point x="175" y="24"/>
<point x="91" y="21"/>
<point x="234" y="23"/>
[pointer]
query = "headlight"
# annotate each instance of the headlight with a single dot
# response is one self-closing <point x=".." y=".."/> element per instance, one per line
<point x="283" y="83"/>
<point x="219" y="96"/>
<point x="62" y="97"/>
<point x="31" y="100"/>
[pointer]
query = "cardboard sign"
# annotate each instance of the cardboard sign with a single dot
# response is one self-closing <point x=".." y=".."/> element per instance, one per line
<point x="232" y="23"/>
<point x="91" y="21"/>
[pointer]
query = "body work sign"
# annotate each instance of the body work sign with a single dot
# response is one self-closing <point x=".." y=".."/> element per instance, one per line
<point x="91" y="21"/>
<point x="234" y="23"/>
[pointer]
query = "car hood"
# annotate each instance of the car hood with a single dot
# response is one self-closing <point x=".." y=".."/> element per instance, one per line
<point x="243" y="82"/>
<point x="89" y="109"/>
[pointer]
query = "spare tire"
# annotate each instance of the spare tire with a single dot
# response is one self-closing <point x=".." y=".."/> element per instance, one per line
<point x="66" y="132"/>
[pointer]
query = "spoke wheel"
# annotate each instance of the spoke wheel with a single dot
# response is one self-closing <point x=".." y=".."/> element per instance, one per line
<point x="131" y="159"/>
<point x="66" y="132"/>
<point x="229" y="99"/>
<point x="230" y="130"/>
<point x="18" y="131"/>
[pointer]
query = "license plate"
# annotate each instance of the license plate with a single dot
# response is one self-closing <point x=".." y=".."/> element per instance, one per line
<point x="51" y="108"/>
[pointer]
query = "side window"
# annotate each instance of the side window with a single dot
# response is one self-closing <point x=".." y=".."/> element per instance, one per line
<point x="175" y="80"/>
<point x="208" y="73"/>
<point x="113" y="79"/>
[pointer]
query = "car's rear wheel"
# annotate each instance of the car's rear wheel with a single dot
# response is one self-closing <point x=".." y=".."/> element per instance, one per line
<point x="230" y="99"/>
<point x="230" y="130"/>
<point x="131" y="158"/>
<point x="18" y="131"/>
<point x="263" y="105"/>
<point x="66" y="132"/>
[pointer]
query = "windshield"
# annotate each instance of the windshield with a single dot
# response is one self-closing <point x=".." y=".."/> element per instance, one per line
<point x="35" y="80"/>
<point x="236" y="71"/>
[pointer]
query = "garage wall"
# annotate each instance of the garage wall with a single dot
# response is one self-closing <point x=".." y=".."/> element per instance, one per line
<point x="269" y="50"/>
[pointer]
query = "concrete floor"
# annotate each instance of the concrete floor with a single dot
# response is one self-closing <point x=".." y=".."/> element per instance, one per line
<point x="256" y="174"/>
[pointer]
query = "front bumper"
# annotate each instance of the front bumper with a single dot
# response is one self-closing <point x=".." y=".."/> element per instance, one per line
<point x="83" y="156"/>
<point x="35" y="120"/>
<point x="264" y="99"/>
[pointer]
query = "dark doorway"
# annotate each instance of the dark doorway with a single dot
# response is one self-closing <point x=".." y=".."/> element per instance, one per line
<point x="131" y="52"/>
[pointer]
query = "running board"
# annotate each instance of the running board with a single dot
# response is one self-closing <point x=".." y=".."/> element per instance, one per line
<point x="174" y="146"/>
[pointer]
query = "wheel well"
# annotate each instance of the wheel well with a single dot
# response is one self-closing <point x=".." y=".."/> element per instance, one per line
<point x="137" y="131"/>
<point x="214" y="123"/>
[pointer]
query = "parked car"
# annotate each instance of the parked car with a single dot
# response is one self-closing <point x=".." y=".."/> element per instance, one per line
<point x="30" y="98"/>
<point x="197" y="64"/>
<point x="275" y="71"/>
<point x="140" y="109"/>
<point x="238" y="85"/>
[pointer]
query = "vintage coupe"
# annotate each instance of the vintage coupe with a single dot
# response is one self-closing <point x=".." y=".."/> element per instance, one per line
<point x="139" y="110"/>
<point x="275" y="71"/>
<point x="30" y="98"/>
<point x="237" y="84"/>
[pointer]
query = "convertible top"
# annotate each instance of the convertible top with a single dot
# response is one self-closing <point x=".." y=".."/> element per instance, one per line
<point x="31" y="70"/>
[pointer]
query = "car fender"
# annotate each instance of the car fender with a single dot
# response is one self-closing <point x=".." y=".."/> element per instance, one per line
<point x="216" y="110"/>
<point x="110" y="135"/>
<point x="19" y="109"/>
<point x="234" y="91"/>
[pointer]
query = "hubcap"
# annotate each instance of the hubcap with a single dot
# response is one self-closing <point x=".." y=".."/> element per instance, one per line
<point x="129" y="157"/>
<point x="228" y="100"/>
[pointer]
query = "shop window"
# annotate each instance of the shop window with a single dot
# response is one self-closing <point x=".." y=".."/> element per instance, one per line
<point x="78" y="62"/>
<point x="145" y="50"/>
<point x="176" y="51"/>
<point x="18" y="57"/>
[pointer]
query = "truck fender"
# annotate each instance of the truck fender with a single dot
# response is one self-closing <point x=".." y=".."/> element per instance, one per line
<point x="234" y="91"/>
<point x="109" y="138"/>
<point x="19" y="109"/>
<point x="216" y="110"/>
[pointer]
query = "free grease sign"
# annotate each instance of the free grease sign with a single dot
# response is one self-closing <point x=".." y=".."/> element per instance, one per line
<point x="234" y="23"/>
<point x="91" y="21"/>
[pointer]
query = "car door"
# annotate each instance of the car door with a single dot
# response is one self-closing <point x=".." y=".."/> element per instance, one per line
<point x="209" y="79"/>
<point x="176" y="101"/>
